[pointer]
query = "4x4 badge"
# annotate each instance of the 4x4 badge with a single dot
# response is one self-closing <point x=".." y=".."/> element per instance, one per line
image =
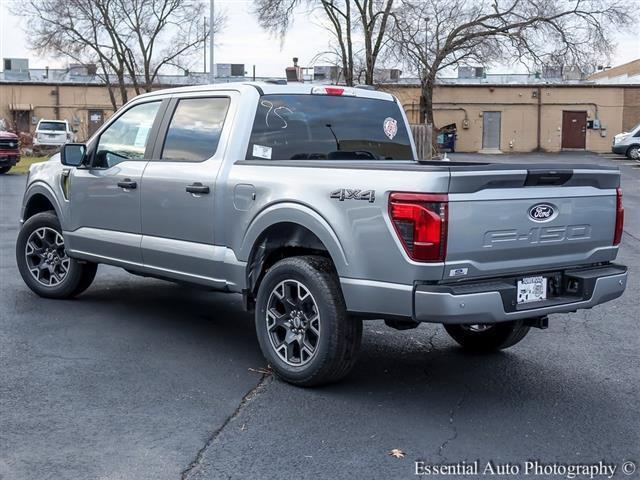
<point x="349" y="194"/>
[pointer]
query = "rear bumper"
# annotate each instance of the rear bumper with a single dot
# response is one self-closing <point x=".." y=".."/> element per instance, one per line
<point x="493" y="302"/>
<point x="489" y="301"/>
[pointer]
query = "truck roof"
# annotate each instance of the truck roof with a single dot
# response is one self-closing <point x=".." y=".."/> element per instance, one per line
<point x="265" y="88"/>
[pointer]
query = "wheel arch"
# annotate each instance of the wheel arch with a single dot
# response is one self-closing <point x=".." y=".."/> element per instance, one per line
<point x="286" y="231"/>
<point x="39" y="199"/>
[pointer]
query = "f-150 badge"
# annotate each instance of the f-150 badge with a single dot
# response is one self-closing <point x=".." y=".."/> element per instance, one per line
<point x="349" y="194"/>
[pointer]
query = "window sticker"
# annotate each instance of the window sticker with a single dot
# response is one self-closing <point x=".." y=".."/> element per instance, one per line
<point x="390" y="127"/>
<point x="141" y="136"/>
<point x="261" y="151"/>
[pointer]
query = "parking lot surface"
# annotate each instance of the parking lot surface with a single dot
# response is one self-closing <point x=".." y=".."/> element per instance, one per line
<point x="139" y="378"/>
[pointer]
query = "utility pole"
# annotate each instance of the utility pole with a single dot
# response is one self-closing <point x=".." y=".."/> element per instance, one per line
<point x="212" y="22"/>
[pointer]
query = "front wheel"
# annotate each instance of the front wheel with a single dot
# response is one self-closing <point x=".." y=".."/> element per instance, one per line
<point x="4" y="170"/>
<point x="484" y="338"/>
<point x="302" y="324"/>
<point x="634" y="152"/>
<point x="43" y="261"/>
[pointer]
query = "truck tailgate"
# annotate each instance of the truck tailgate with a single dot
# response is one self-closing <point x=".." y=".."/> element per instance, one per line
<point x="514" y="219"/>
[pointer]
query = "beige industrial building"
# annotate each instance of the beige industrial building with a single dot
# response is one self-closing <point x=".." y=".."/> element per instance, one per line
<point x="506" y="113"/>
<point x="529" y="117"/>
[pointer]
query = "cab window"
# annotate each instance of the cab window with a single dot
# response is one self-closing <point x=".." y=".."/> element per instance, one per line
<point x="195" y="128"/>
<point x="126" y="138"/>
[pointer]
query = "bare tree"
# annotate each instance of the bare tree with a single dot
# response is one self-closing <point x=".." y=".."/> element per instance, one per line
<point x="131" y="40"/>
<point x="430" y="36"/>
<point x="352" y="23"/>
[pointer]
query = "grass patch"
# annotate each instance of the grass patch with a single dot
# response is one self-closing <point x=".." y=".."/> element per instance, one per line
<point x="24" y="164"/>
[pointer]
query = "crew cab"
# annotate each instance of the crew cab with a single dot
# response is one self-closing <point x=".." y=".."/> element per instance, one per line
<point x="9" y="150"/>
<point x="311" y="203"/>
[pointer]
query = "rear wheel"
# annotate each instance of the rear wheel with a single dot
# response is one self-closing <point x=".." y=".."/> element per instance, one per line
<point x="43" y="261"/>
<point x="4" y="170"/>
<point x="634" y="152"/>
<point x="488" y="337"/>
<point x="302" y="324"/>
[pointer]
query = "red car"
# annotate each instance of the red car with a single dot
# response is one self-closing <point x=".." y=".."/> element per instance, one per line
<point x="9" y="151"/>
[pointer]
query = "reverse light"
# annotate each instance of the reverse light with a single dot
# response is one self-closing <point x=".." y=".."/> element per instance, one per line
<point x="617" y="235"/>
<point x="420" y="221"/>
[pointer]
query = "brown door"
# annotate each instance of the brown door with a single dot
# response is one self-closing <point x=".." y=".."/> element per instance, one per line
<point x="96" y="119"/>
<point x="574" y="129"/>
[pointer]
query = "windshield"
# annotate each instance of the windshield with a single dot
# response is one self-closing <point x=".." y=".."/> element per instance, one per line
<point x="50" y="126"/>
<point x="323" y="127"/>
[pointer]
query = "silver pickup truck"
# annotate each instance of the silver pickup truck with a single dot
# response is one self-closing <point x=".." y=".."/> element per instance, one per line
<point x="310" y="202"/>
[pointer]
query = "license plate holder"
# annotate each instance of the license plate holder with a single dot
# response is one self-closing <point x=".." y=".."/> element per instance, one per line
<point x="532" y="289"/>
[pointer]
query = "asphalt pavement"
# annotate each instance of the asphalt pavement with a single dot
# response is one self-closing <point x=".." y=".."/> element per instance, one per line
<point x="142" y="379"/>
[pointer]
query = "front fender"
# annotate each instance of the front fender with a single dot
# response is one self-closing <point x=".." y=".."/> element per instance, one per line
<point x="303" y="215"/>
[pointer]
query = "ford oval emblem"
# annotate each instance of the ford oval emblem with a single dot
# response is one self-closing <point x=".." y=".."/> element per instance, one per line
<point x="542" y="212"/>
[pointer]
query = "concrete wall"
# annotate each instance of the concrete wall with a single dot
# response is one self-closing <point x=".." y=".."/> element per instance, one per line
<point x="519" y="112"/>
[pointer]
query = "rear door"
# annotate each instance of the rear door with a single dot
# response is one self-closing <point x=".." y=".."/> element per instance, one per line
<point x="105" y="196"/>
<point x="178" y="188"/>
<point x="525" y="220"/>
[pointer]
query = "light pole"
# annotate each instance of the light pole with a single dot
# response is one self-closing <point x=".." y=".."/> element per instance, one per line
<point x="212" y="65"/>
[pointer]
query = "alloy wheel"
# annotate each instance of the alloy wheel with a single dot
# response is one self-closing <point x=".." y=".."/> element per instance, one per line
<point x="46" y="257"/>
<point x="293" y="322"/>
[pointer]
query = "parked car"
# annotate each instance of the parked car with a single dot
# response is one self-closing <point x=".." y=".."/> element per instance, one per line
<point x="51" y="134"/>
<point x="310" y="202"/>
<point x="628" y="143"/>
<point x="9" y="151"/>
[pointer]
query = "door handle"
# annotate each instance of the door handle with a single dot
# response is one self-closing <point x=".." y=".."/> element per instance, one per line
<point x="197" y="187"/>
<point x="127" y="184"/>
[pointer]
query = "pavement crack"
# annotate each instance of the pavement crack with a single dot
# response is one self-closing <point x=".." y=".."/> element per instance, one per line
<point x="195" y="465"/>
<point x="454" y="429"/>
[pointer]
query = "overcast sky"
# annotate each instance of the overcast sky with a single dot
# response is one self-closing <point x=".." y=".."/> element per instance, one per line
<point x="243" y="41"/>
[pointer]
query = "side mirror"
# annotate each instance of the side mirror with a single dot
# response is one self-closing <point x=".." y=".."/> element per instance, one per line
<point x="73" y="154"/>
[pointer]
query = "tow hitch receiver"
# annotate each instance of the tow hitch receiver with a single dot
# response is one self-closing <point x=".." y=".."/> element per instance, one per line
<point x="538" y="322"/>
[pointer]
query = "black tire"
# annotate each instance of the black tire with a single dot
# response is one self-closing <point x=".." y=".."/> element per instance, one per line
<point x="338" y="341"/>
<point x="633" y="152"/>
<point x="4" y="170"/>
<point x="490" y="338"/>
<point x="78" y="275"/>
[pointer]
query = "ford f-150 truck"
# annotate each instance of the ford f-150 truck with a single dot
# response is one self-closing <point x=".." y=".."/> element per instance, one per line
<point x="310" y="202"/>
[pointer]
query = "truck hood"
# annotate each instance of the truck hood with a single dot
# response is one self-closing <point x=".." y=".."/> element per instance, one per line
<point x="8" y="136"/>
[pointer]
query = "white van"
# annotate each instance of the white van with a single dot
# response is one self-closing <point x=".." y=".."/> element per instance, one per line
<point x="628" y="143"/>
<point x="52" y="134"/>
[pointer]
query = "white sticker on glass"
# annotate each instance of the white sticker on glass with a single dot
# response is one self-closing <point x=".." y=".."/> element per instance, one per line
<point x="261" y="151"/>
<point x="390" y="127"/>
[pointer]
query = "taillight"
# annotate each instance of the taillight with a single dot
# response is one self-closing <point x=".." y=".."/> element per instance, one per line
<point x="617" y="236"/>
<point x="420" y="220"/>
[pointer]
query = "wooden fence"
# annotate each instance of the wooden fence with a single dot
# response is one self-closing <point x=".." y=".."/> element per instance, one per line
<point x="422" y="137"/>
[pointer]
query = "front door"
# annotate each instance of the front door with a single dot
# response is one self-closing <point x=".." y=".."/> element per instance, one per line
<point x="574" y="129"/>
<point x="491" y="130"/>
<point x="178" y="191"/>
<point x="105" y="195"/>
<point x="96" y="119"/>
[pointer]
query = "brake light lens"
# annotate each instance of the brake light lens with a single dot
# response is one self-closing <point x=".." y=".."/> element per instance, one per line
<point x="420" y="221"/>
<point x="617" y="236"/>
<point x="335" y="91"/>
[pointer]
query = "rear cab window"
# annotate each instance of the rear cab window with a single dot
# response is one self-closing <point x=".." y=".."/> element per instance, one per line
<point x="326" y="127"/>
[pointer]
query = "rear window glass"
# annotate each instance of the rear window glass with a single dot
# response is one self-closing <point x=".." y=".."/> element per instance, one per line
<point x="323" y="127"/>
<point x="49" y="126"/>
<point x="194" y="131"/>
